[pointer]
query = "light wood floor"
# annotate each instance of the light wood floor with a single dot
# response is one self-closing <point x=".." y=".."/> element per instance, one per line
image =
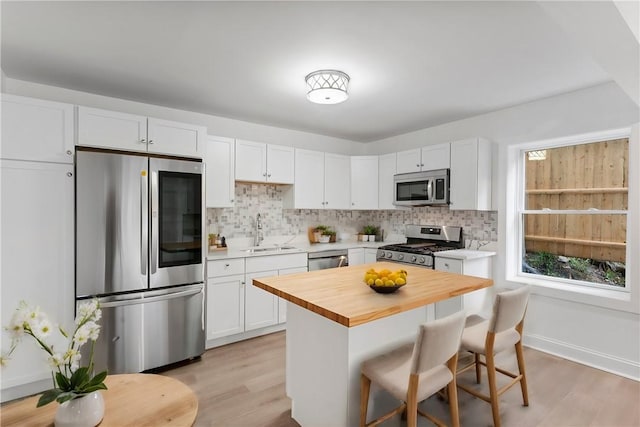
<point x="242" y="384"/>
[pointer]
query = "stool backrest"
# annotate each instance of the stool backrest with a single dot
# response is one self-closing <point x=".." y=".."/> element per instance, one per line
<point x="509" y="309"/>
<point x="437" y="342"/>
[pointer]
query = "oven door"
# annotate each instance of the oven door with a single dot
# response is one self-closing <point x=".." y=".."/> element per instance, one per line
<point x="177" y="222"/>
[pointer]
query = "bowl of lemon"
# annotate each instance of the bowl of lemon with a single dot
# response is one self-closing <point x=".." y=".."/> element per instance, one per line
<point x="385" y="281"/>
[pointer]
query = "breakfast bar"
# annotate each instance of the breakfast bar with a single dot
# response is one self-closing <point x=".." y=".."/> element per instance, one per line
<point x="335" y="321"/>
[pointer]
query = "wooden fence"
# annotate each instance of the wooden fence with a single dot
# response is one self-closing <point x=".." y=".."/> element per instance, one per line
<point x="578" y="177"/>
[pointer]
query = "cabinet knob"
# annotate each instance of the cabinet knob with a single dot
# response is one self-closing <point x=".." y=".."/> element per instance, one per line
<point x="353" y="204"/>
<point x="151" y="141"/>
<point x="226" y="266"/>
<point x="69" y="174"/>
<point x="446" y="264"/>
<point x="231" y="200"/>
<point x="143" y="140"/>
<point x="417" y="165"/>
<point x="69" y="152"/>
<point x="268" y="175"/>
<point x="264" y="174"/>
<point x="421" y="164"/>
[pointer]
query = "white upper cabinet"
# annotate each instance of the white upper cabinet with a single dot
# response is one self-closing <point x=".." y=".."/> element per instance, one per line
<point x="409" y="161"/>
<point x="336" y="181"/>
<point x="364" y="182"/>
<point x="121" y="131"/>
<point x="436" y="157"/>
<point x="321" y="181"/>
<point x="470" y="185"/>
<point x="386" y="170"/>
<point x="37" y="130"/>
<point x="219" y="171"/>
<point x="181" y="139"/>
<point x="260" y="162"/>
<point x="308" y="190"/>
<point x="427" y="158"/>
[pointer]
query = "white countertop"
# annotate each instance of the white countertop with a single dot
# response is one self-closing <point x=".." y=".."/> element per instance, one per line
<point x="464" y="254"/>
<point x="299" y="247"/>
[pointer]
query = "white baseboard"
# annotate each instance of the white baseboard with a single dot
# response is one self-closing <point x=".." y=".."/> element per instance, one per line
<point x="585" y="356"/>
<point x="218" y="342"/>
<point x="23" y="390"/>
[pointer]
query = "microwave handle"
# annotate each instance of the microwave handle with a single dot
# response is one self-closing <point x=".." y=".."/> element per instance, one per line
<point x="430" y="190"/>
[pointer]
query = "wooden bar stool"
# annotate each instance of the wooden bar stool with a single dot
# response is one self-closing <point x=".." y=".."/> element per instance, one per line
<point x="489" y="337"/>
<point x="415" y="371"/>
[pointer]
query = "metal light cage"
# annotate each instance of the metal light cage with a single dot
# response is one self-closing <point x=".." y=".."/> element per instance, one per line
<point x="327" y="86"/>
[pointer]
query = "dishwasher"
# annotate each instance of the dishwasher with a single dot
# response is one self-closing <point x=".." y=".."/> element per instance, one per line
<point x="328" y="259"/>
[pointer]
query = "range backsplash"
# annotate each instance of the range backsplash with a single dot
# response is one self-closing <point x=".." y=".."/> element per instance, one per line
<point x="251" y="199"/>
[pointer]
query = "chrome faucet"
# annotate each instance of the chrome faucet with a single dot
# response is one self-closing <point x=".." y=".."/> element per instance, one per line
<point x="259" y="236"/>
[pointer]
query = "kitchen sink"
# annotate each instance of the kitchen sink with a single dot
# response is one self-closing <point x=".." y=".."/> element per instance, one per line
<point x="259" y="249"/>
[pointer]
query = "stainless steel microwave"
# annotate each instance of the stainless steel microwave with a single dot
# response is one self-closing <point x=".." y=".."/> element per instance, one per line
<point x="421" y="188"/>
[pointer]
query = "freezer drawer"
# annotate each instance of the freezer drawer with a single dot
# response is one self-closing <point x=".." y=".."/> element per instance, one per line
<point x="147" y="330"/>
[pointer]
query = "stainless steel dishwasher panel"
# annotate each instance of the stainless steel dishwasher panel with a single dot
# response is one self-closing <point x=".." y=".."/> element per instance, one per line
<point x="327" y="259"/>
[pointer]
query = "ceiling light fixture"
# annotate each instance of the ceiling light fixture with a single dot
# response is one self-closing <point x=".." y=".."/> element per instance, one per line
<point x="327" y="86"/>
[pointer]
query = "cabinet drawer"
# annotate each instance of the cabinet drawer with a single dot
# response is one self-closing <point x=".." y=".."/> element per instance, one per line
<point x="276" y="262"/>
<point x="225" y="267"/>
<point x="450" y="265"/>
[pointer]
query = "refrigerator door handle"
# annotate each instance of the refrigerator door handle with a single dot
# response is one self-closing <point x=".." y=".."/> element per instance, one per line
<point x="154" y="221"/>
<point x="144" y="222"/>
<point x="143" y="300"/>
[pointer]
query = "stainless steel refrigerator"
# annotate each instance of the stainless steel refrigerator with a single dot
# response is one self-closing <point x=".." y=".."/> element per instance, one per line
<point x="140" y="251"/>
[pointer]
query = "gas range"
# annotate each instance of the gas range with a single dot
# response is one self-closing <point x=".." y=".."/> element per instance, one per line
<point x="422" y="242"/>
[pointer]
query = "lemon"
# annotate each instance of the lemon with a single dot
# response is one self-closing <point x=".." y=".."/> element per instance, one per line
<point x="378" y="282"/>
<point x="400" y="281"/>
<point x="370" y="282"/>
<point x="388" y="282"/>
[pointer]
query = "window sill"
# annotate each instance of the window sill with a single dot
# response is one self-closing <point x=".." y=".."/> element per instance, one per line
<point x="606" y="298"/>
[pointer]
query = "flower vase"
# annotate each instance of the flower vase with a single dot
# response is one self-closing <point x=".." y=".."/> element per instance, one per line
<point x="85" y="411"/>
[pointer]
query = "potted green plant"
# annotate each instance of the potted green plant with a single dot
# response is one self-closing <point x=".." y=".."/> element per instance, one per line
<point x="330" y="234"/>
<point x="318" y="230"/>
<point x="370" y="231"/>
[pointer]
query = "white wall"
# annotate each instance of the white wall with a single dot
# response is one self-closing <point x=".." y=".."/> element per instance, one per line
<point x="218" y="126"/>
<point x="585" y="328"/>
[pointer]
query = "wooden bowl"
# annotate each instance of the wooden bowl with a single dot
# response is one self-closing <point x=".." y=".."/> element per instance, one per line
<point x="385" y="289"/>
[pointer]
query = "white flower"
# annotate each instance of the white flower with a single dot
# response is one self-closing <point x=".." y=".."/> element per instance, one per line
<point x="4" y="359"/>
<point x="56" y="360"/>
<point x="18" y="321"/>
<point x="72" y="357"/>
<point x="87" y="311"/>
<point x="42" y="329"/>
<point x="82" y="335"/>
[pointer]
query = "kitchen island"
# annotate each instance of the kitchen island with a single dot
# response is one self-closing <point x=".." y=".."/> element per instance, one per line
<point x="335" y="321"/>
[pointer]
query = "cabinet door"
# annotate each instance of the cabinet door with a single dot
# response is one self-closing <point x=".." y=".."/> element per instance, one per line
<point x="386" y="170"/>
<point x="470" y="184"/>
<point x="36" y="130"/>
<point x="37" y="217"/>
<point x="309" y="180"/>
<point x="408" y="161"/>
<point x="280" y="164"/>
<point x="180" y="139"/>
<point x="225" y="306"/>
<point x="219" y="170"/>
<point x="282" y="304"/>
<point x="337" y="177"/>
<point x="356" y="256"/>
<point x="364" y="182"/>
<point x="453" y="304"/>
<point x="251" y="161"/>
<point x="111" y="129"/>
<point x="436" y="157"/>
<point x="260" y="307"/>
<point x="370" y="255"/>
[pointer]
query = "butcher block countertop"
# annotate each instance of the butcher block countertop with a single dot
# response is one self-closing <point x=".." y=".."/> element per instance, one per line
<point x="340" y="294"/>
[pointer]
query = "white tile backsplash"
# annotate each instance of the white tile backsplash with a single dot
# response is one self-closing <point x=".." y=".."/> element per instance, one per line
<point x="267" y="199"/>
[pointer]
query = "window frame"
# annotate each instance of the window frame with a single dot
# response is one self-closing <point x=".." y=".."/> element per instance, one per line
<point x="518" y="212"/>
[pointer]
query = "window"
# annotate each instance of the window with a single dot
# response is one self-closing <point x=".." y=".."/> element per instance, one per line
<point x="573" y="212"/>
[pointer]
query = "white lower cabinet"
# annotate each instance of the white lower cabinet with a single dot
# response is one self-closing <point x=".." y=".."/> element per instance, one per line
<point x="370" y="255"/>
<point x="37" y="218"/>
<point x="356" y="256"/>
<point x="238" y="310"/>
<point x="472" y="302"/>
<point x="261" y="307"/>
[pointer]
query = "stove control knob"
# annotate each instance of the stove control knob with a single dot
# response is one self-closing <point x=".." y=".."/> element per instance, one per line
<point x="413" y="258"/>
<point x="400" y="256"/>
<point x="421" y="260"/>
<point x="389" y="255"/>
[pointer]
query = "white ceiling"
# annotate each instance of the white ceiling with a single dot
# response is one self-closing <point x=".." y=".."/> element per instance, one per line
<point x="412" y="64"/>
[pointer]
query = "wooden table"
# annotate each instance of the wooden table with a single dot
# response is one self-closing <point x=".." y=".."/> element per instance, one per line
<point x="131" y="400"/>
<point x="335" y="321"/>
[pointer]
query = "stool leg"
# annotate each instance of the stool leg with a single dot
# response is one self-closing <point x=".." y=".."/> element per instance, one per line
<point x="523" y="380"/>
<point x="365" y="386"/>
<point x="478" y="371"/>
<point x="412" y="401"/>
<point x="493" y="390"/>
